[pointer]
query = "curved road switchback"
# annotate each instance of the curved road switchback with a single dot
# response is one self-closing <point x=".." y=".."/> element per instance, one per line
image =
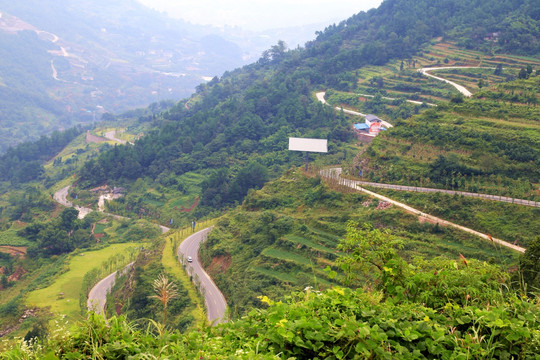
<point x="320" y="97"/>
<point x="214" y="299"/>
<point x="61" y="197"/>
<point x="97" y="297"/>
<point x="111" y="135"/>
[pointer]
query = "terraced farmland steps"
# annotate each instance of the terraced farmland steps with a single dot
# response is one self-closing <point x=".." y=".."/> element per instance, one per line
<point x="335" y="173"/>
<point x="425" y="71"/>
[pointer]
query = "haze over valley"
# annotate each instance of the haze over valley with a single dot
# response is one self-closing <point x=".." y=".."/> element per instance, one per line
<point x="66" y="63"/>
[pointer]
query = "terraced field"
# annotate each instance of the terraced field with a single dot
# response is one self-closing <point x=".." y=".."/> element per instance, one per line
<point x="287" y="247"/>
<point x="294" y="255"/>
<point x="403" y="80"/>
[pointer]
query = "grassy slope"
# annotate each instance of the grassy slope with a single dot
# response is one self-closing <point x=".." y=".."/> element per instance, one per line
<point x="487" y="133"/>
<point x="70" y="282"/>
<point x="287" y="233"/>
<point x="511" y="222"/>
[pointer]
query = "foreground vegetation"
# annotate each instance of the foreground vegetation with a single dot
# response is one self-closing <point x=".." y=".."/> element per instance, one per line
<point x="425" y="309"/>
<point x="285" y="235"/>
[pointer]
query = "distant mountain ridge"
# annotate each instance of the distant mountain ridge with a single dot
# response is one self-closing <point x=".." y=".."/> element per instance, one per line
<point x="65" y="63"/>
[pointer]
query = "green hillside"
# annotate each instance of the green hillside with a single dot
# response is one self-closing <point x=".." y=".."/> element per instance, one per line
<point x="487" y="144"/>
<point x="285" y="235"/>
<point x="309" y="268"/>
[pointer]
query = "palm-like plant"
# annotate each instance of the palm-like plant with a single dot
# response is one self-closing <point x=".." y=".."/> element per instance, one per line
<point x="165" y="291"/>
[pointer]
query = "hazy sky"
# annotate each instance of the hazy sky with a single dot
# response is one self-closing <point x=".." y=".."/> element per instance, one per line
<point x="261" y="14"/>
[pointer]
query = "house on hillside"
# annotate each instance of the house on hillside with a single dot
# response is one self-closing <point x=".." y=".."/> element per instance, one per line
<point x="372" y="119"/>
<point x="492" y="37"/>
<point x="372" y="126"/>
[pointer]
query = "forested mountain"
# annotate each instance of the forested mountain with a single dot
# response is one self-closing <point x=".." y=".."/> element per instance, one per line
<point x="250" y="112"/>
<point x="221" y="155"/>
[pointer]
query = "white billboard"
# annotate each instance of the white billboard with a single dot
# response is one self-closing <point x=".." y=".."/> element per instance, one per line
<point x="312" y="145"/>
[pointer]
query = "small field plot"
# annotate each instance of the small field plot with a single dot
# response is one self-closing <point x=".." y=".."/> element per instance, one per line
<point x="62" y="297"/>
<point x="299" y="241"/>
<point x="10" y="238"/>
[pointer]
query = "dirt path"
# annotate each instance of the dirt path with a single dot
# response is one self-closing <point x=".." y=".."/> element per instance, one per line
<point x="460" y="88"/>
<point x="54" y="72"/>
<point x="335" y="173"/>
<point x="14" y="250"/>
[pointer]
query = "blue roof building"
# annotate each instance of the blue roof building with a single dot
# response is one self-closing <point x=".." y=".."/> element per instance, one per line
<point x="361" y="127"/>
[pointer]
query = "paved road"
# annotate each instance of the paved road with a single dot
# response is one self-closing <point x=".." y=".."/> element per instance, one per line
<point x="214" y="299"/>
<point x="111" y="135"/>
<point x="335" y="173"/>
<point x="452" y="192"/>
<point x="61" y="197"/>
<point x="460" y="88"/>
<point x="97" y="297"/>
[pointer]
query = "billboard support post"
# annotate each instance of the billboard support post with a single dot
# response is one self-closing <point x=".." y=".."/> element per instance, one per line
<point x="308" y="145"/>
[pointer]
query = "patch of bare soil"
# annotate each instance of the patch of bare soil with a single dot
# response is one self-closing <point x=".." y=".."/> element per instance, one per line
<point x="220" y="264"/>
<point x="17" y="275"/>
<point x="90" y="138"/>
<point x="14" y="250"/>
<point x="189" y="209"/>
<point x="383" y="205"/>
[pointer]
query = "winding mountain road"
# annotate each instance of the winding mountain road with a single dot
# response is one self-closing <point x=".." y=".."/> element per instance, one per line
<point x="216" y="304"/>
<point x="111" y="135"/>
<point x="459" y="88"/>
<point x="407" y="100"/>
<point x="335" y="173"/>
<point x="97" y="297"/>
<point x="61" y="197"/>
